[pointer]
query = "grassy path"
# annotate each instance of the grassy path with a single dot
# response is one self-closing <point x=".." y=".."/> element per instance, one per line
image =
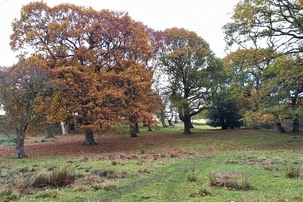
<point x="170" y="178"/>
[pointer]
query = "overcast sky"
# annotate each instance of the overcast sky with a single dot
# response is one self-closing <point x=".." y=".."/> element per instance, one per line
<point x="205" y="17"/>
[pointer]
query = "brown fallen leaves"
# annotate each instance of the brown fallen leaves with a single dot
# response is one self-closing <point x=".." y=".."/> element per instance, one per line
<point x="109" y="146"/>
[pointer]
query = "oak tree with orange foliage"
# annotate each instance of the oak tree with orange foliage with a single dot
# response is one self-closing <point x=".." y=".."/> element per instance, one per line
<point x="94" y="55"/>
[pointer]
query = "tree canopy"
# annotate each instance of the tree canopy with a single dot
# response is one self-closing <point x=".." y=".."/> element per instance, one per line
<point x="22" y="85"/>
<point x="99" y="57"/>
<point x="273" y="31"/>
<point x="191" y="70"/>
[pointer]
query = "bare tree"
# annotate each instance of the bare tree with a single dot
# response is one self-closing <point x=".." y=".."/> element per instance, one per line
<point x="18" y="91"/>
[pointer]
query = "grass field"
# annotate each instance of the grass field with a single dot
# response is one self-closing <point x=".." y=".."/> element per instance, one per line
<point x="163" y="165"/>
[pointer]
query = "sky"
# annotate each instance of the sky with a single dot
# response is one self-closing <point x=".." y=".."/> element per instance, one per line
<point x="205" y="17"/>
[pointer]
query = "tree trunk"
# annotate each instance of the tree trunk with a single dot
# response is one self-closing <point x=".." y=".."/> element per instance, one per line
<point x="191" y="124"/>
<point x="223" y="123"/>
<point x="48" y="132"/>
<point x="149" y="127"/>
<point x="133" y="130"/>
<point x="89" y="138"/>
<point x="187" y="123"/>
<point x="224" y="127"/>
<point x="295" y="125"/>
<point x="64" y="128"/>
<point x="72" y="126"/>
<point x="162" y="119"/>
<point x="176" y="120"/>
<point x="137" y="128"/>
<point x="279" y="127"/>
<point x="20" y="151"/>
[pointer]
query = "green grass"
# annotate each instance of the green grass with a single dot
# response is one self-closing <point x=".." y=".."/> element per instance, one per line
<point x="4" y="139"/>
<point x="168" y="179"/>
<point x="262" y="158"/>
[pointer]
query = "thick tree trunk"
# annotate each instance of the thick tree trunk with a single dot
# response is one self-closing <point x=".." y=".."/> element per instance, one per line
<point x="48" y="132"/>
<point x="162" y="119"/>
<point x="89" y="138"/>
<point x="72" y="126"/>
<point x="133" y="130"/>
<point x="223" y="123"/>
<point x="20" y="151"/>
<point x="295" y="125"/>
<point x="64" y="128"/>
<point x="279" y="127"/>
<point x="137" y="128"/>
<point x="187" y="124"/>
<point x="223" y="127"/>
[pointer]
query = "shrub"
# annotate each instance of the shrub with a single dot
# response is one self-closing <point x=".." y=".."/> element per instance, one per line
<point x="229" y="180"/>
<point x="225" y="111"/>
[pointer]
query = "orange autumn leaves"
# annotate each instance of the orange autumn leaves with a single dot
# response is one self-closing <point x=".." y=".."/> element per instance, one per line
<point x="97" y="58"/>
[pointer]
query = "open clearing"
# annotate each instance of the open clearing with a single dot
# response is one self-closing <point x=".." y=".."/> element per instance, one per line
<point x="163" y="165"/>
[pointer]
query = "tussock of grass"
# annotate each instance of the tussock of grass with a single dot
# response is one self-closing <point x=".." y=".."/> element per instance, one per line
<point x="61" y="177"/>
<point x="202" y="192"/>
<point x="230" y="180"/>
<point x="192" y="176"/>
<point x="293" y="172"/>
<point x="103" y="173"/>
<point x="8" y="194"/>
<point x="116" y="163"/>
<point x="110" y="174"/>
<point x="145" y="170"/>
<point x="110" y="187"/>
<point x="40" y="180"/>
<point x="55" y="178"/>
